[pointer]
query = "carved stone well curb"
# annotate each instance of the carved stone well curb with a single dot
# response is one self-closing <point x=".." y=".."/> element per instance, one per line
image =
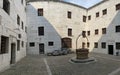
<point x="82" y="53"/>
<point x="82" y="56"/>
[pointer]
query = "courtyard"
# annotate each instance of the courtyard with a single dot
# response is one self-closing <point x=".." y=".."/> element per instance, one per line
<point x="60" y="65"/>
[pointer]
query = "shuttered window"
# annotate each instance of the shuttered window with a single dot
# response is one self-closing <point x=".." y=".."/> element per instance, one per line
<point x="40" y="12"/>
<point x="69" y="32"/>
<point x="4" y="45"/>
<point x="69" y="14"/>
<point x="96" y="32"/>
<point x="118" y="28"/>
<point x="40" y="31"/>
<point x="103" y="45"/>
<point x="95" y="45"/>
<point x="6" y="6"/>
<point x="104" y="11"/>
<point x="84" y="18"/>
<point x="118" y="7"/>
<point x="97" y="14"/>
<point x="103" y="30"/>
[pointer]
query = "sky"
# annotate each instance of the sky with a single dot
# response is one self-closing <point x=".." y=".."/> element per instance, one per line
<point x="84" y="3"/>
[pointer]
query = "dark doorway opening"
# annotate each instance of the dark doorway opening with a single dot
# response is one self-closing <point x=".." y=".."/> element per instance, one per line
<point x="13" y="53"/>
<point x="66" y="42"/>
<point x="110" y="49"/>
<point x="41" y="48"/>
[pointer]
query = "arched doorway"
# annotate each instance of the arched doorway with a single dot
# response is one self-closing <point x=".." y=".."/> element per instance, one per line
<point x="66" y="42"/>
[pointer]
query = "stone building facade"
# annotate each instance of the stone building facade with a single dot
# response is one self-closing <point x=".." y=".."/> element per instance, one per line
<point x="12" y="32"/>
<point x="53" y="25"/>
<point x="104" y="27"/>
<point x="56" y="23"/>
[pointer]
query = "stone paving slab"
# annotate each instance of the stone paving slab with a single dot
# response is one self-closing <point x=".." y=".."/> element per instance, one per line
<point x="103" y="66"/>
<point x="30" y="65"/>
<point x="118" y="73"/>
<point x="60" y="65"/>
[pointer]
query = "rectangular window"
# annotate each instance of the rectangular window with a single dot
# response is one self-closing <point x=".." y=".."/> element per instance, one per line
<point x="97" y="14"/>
<point x="31" y="44"/>
<point x="118" y="28"/>
<point x="40" y="12"/>
<point x="83" y="34"/>
<point x="69" y="32"/>
<point x="84" y="18"/>
<point x="96" y="32"/>
<point x="6" y="6"/>
<point x="18" y="45"/>
<point x="4" y="45"/>
<point x="18" y="20"/>
<point x="69" y="14"/>
<point x="22" y="44"/>
<point x="88" y="33"/>
<point x="50" y="43"/>
<point x="83" y="45"/>
<point x="26" y="29"/>
<point x="40" y="31"/>
<point x="117" y="45"/>
<point x="95" y="45"/>
<point x="103" y="30"/>
<point x="88" y="44"/>
<point x="22" y="26"/>
<point x="103" y="45"/>
<point x="118" y="7"/>
<point x="0" y="19"/>
<point x="89" y="17"/>
<point x="19" y="36"/>
<point x="22" y="1"/>
<point x="104" y="11"/>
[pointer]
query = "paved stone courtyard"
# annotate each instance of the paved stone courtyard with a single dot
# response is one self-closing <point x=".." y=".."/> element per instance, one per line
<point x="60" y="65"/>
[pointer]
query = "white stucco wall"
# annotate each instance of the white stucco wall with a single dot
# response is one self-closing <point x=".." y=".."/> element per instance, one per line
<point x="108" y="21"/>
<point x="56" y="26"/>
<point x="55" y="22"/>
<point x="55" y="13"/>
<point x="10" y="29"/>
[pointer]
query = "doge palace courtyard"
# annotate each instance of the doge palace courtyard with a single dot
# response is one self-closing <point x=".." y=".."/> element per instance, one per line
<point x="30" y="30"/>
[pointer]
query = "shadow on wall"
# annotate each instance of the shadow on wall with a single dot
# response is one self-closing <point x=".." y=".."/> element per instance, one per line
<point x="51" y="38"/>
<point x="107" y="42"/>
